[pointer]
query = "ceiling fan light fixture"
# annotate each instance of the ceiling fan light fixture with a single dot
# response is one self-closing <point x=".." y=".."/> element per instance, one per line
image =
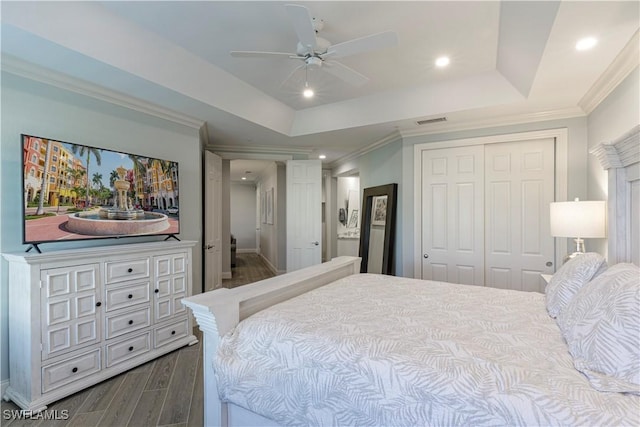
<point x="307" y="92"/>
<point x="442" y="61"/>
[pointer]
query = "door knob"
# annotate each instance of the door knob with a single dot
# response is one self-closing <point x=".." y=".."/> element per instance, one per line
<point x="315" y="243"/>
<point x="425" y="256"/>
<point x="549" y="264"/>
<point x="208" y="247"/>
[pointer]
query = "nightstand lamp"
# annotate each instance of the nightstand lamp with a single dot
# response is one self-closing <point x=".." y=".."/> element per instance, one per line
<point x="578" y="219"/>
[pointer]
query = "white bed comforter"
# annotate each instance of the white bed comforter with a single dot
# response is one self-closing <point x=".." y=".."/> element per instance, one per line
<point x="387" y="351"/>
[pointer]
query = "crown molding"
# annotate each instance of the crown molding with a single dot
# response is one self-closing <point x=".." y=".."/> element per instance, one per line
<point x="626" y="61"/>
<point x="257" y="149"/>
<point x="18" y="67"/>
<point x="443" y="127"/>
<point x="497" y="121"/>
<point x="394" y="136"/>
<point x="204" y="135"/>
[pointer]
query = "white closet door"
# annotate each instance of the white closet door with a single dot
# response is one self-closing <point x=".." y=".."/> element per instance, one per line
<point x="452" y="215"/>
<point x="519" y="185"/>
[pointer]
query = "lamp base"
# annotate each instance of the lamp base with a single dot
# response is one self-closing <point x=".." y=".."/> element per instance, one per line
<point x="579" y="250"/>
<point x="571" y="256"/>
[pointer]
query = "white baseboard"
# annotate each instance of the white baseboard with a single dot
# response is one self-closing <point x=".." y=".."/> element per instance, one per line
<point x="269" y="265"/>
<point x="247" y="251"/>
<point x="4" y="384"/>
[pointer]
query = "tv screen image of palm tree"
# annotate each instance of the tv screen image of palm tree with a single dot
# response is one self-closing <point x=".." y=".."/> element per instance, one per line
<point x="75" y="191"/>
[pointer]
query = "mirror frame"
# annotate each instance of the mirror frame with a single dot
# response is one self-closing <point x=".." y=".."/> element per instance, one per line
<point x="388" y="261"/>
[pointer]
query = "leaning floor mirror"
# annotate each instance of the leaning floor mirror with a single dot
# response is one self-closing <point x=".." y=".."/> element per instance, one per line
<point x="377" y="231"/>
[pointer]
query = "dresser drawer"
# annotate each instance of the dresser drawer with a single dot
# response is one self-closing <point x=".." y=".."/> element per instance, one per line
<point x="68" y="371"/>
<point x="117" y="271"/>
<point x="127" y="296"/>
<point x="125" y="350"/>
<point x="172" y="332"/>
<point x="119" y="324"/>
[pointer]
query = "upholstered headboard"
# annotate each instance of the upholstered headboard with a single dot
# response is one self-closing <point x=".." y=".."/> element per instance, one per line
<point x="621" y="158"/>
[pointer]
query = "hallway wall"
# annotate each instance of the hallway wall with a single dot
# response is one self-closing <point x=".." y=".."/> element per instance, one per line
<point x="243" y="216"/>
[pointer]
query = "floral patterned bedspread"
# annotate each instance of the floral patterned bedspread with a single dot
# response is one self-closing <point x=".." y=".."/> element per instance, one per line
<point x="387" y="351"/>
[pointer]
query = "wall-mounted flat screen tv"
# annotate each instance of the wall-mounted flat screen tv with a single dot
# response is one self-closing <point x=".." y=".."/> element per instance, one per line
<point x="73" y="191"/>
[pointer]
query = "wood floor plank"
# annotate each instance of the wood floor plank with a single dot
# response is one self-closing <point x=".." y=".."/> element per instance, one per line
<point x="177" y="403"/>
<point x="125" y="401"/>
<point x="147" y="410"/>
<point x="250" y="267"/>
<point x="162" y="372"/>
<point x="69" y="404"/>
<point x="196" y="412"/>
<point x="102" y="394"/>
<point x="86" y="419"/>
<point x="144" y="367"/>
<point x="13" y="417"/>
<point x="8" y="409"/>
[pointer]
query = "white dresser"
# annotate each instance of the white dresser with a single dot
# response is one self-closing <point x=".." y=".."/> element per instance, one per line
<point x="80" y="316"/>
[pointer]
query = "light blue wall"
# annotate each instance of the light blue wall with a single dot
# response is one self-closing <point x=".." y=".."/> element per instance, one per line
<point x="35" y="108"/>
<point x="243" y="215"/>
<point x="380" y="167"/>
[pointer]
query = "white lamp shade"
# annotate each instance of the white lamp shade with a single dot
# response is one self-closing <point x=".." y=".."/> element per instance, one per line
<point x="578" y="219"/>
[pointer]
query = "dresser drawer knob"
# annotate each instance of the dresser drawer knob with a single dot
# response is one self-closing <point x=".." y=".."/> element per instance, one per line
<point x="74" y="370"/>
<point x="130" y="270"/>
<point x="156" y="291"/>
<point x="130" y="296"/>
<point x="131" y="348"/>
<point x="131" y="322"/>
<point x="173" y="332"/>
<point x="98" y="304"/>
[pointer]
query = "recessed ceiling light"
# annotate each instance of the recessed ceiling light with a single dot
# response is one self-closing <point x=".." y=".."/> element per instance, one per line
<point x="322" y="156"/>
<point x="586" y="43"/>
<point x="443" y="61"/>
<point x="244" y="178"/>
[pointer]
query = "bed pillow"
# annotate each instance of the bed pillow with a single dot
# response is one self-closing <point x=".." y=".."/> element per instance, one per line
<point x="601" y="325"/>
<point x="569" y="278"/>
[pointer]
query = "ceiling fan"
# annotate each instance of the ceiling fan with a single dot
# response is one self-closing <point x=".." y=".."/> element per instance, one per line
<point x="317" y="52"/>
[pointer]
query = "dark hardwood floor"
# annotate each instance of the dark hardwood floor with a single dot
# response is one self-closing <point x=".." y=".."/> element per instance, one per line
<point x="167" y="391"/>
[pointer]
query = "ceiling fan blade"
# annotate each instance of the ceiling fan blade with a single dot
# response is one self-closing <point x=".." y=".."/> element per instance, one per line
<point x="345" y="73"/>
<point x="290" y="76"/>
<point x="363" y="44"/>
<point x="303" y="24"/>
<point x="259" y="54"/>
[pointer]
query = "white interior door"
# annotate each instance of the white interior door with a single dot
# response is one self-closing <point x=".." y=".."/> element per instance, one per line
<point x="304" y="213"/>
<point x="519" y="185"/>
<point x="213" y="221"/>
<point x="452" y="215"/>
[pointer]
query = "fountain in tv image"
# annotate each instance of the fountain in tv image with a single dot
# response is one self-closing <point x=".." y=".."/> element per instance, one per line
<point x="95" y="193"/>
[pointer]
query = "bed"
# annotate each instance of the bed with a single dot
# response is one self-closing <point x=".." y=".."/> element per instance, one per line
<point x="327" y="345"/>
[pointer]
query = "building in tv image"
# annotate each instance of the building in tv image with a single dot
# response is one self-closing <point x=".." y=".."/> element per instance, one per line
<point x="74" y="191"/>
